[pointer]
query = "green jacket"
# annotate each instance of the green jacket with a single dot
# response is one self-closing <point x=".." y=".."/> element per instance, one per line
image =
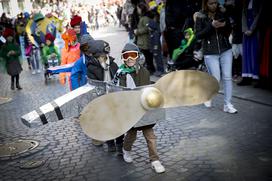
<point x="47" y="51"/>
<point x="12" y="62"/>
<point x="142" y="33"/>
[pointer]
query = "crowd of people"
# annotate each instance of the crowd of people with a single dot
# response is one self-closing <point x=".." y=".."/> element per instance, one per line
<point x="232" y="38"/>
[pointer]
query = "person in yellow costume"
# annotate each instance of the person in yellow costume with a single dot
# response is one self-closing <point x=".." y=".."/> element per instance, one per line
<point x="69" y="54"/>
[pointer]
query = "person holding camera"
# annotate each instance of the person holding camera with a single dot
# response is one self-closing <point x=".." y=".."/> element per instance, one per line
<point x="213" y="28"/>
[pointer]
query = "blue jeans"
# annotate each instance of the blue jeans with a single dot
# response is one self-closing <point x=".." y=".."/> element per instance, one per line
<point x="218" y="65"/>
<point x="35" y="58"/>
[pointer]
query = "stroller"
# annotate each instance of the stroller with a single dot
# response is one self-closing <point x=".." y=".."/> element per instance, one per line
<point x="188" y="55"/>
<point x="52" y="61"/>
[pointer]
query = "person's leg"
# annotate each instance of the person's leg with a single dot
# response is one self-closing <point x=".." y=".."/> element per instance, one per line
<point x="12" y="82"/>
<point x="212" y="64"/>
<point x="213" y="67"/>
<point x="158" y="59"/>
<point x="152" y="149"/>
<point x="151" y="143"/>
<point x="246" y="63"/>
<point x="17" y="82"/>
<point x="129" y="139"/>
<point x="111" y="146"/>
<point x="38" y="60"/>
<point x="119" y="140"/>
<point x="33" y="60"/>
<point x="119" y="144"/>
<point x="29" y="62"/>
<point x="128" y="142"/>
<point x="226" y="69"/>
<point x="149" y="60"/>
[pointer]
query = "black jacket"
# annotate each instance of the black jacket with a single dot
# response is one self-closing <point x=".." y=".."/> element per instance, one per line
<point x="214" y="41"/>
<point x="179" y="13"/>
<point x="95" y="70"/>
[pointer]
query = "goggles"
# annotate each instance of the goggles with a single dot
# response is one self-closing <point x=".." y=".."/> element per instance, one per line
<point x="130" y="54"/>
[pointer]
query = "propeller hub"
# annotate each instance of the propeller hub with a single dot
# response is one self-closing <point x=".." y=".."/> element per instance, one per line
<point x="151" y="98"/>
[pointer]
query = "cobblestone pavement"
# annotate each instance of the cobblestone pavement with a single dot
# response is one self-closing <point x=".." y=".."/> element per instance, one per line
<point x="194" y="143"/>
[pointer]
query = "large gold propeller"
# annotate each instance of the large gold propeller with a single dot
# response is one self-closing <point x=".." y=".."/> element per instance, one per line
<point x="113" y="114"/>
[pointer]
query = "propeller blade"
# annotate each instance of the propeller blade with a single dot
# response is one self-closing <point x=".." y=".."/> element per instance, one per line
<point x="186" y="88"/>
<point x="111" y="115"/>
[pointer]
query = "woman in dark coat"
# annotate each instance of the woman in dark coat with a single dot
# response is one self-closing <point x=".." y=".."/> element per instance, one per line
<point x="10" y="52"/>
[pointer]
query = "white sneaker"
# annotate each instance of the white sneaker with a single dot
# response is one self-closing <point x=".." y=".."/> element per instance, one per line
<point x="39" y="71"/>
<point x="230" y="109"/>
<point x="127" y="156"/>
<point x="208" y="104"/>
<point x="33" y="72"/>
<point x="157" y="166"/>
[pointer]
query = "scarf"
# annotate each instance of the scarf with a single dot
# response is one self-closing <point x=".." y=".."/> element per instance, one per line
<point x="125" y="70"/>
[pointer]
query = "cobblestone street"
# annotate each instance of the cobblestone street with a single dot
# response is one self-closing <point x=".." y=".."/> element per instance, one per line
<point x="194" y="143"/>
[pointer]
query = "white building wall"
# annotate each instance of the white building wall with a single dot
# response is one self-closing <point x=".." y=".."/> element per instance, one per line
<point x="1" y="9"/>
<point x="14" y="8"/>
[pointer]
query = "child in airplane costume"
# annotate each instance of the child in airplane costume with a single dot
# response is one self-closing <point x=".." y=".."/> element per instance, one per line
<point x="132" y="70"/>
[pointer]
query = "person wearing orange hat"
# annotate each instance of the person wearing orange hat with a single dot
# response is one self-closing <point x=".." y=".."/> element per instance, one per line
<point x="79" y="26"/>
<point x="10" y="52"/>
<point x="70" y="53"/>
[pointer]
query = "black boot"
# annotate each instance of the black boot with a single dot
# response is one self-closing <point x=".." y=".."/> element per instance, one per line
<point x="18" y="86"/>
<point x="12" y="86"/>
<point x="245" y="81"/>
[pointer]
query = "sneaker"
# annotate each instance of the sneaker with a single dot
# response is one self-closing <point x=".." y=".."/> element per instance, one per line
<point x="208" y="104"/>
<point x="39" y="71"/>
<point x="33" y="72"/>
<point x="230" y="109"/>
<point x="127" y="156"/>
<point x="157" y="166"/>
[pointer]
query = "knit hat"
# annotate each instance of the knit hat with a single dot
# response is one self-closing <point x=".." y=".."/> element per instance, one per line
<point x="38" y="17"/>
<point x="8" y="32"/>
<point x="76" y="20"/>
<point x="50" y="37"/>
<point x="69" y="36"/>
<point x="99" y="47"/>
<point x="130" y="47"/>
<point x="85" y="39"/>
